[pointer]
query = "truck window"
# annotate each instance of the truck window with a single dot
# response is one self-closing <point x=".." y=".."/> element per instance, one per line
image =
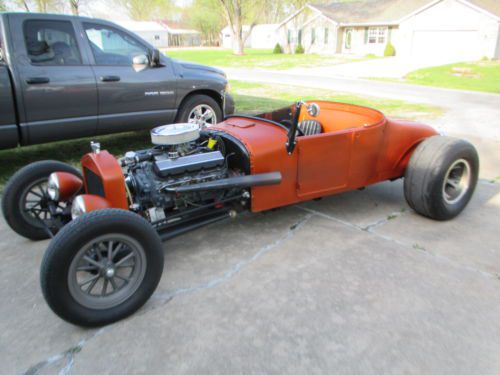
<point x="51" y="43"/>
<point x="111" y="46"/>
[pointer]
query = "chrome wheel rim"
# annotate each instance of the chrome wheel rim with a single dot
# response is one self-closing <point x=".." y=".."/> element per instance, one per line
<point x="107" y="271"/>
<point x="202" y="114"/>
<point x="457" y="181"/>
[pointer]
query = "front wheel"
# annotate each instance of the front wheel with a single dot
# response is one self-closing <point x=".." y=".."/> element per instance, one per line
<point x="201" y="110"/>
<point x="441" y="177"/>
<point x="25" y="202"/>
<point x="101" y="267"/>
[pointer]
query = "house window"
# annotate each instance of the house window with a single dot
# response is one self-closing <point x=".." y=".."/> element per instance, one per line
<point x="326" y="35"/>
<point x="377" y="35"/>
<point x="313" y="35"/>
<point x="157" y="37"/>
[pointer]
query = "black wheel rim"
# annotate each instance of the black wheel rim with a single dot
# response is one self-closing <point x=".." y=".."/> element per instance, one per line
<point x="34" y="203"/>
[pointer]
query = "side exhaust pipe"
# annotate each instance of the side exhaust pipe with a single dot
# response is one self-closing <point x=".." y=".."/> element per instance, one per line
<point x="261" y="179"/>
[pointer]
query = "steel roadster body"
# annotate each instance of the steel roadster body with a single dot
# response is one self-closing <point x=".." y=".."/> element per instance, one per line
<point x="106" y="259"/>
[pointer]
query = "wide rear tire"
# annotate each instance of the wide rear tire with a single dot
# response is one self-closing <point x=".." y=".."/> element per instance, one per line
<point x="441" y="177"/>
<point x="27" y="184"/>
<point x="101" y="267"/>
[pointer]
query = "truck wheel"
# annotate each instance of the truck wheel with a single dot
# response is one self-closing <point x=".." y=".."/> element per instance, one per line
<point x="441" y="177"/>
<point x="101" y="267"/>
<point x="25" y="199"/>
<point x="200" y="109"/>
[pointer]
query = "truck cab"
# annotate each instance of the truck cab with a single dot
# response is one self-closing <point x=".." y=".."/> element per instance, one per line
<point x="64" y="77"/>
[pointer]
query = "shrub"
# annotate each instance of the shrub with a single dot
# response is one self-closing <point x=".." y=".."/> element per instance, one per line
<point x="370" y="56"/>
<point x="299" y="49"/>
<point x="389" y="50"/>
<point x="277" y="49"/>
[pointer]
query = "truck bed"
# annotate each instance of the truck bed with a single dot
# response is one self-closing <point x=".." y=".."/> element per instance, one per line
<point x="8" y="120"/>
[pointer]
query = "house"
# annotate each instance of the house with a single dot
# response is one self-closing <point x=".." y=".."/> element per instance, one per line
<point x="263" y="36"/>
<point x="180" y="35"/>
<point x="152" y="32"/>
<point x="163" y="34"/>
<point x="444" y="30"/>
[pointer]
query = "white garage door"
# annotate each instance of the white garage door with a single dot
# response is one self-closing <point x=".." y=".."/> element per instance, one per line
<point x="445" y="46"/>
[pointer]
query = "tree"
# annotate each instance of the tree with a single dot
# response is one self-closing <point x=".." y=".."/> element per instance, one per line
<point x="146" y="10"/>
<point x="75" y="6"/>
<point x="205" y="16"/>
<point x="2" y="6"/>
<point x="238" y="12"/>
<point x="42" y="6"/>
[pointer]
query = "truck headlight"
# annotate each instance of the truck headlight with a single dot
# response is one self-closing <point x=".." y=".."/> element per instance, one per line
<point x="78" y="208"/>
<point x="227" y="89"/>
<point x="53" y="187"/>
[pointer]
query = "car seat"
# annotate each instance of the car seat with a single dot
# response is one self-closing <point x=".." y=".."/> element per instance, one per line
<point x="310" y="127"/>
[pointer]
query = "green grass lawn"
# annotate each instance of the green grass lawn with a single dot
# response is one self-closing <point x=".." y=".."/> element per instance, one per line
<point x="249" y="97"/>
<point x="255" y="58"/>
<point x="476" y="76"/>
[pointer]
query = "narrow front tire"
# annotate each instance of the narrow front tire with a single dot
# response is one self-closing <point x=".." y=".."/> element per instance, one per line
<point x="101" y="267"/>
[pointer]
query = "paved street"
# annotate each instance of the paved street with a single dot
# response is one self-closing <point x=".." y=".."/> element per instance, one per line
<point x="351" y="284"/>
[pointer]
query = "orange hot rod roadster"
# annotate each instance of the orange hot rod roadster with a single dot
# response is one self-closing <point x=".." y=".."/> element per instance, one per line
<point x="106" y="258"/>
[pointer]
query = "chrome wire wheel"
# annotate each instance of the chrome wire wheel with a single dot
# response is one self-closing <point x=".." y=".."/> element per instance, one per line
<point x="107" y="271"/>
<point x="202" y="114"/>
<point x="457" y="181"/>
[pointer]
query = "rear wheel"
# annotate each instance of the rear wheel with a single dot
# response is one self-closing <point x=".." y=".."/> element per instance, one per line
<point x="200" y="109"/>
<point x="101" y="267"/>
<point x="441" y="177"/>
<point x="25" y="202"/>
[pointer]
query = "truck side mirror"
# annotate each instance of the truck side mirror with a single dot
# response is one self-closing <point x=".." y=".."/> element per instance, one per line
<point x="154" y="58"/>
<point x="140" y="60"/>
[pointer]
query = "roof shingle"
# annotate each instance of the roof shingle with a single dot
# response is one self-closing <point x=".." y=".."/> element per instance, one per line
<point x="386" y="11"/>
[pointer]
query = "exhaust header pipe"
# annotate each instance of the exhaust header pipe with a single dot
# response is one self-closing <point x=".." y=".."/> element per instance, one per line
<point x="261" y="179"/>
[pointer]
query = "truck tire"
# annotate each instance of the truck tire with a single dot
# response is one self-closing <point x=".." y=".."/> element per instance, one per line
<point x="441" y="177"/>
<point x="200" y="109"/>
<point x="101" y="267"/>
<point x="25" y="189"/>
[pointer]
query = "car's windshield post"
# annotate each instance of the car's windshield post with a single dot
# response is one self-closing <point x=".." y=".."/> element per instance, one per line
<point x="290" y="144"/>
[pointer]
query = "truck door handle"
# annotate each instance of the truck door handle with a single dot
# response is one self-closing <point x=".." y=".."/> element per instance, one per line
<point x="37" y="80"/>
<point x="110" y="78"/>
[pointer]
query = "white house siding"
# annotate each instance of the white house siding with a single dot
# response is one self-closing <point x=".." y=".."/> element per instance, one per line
<point x="159" y="39"/>
<point x="449" y="31"/>
<point x="305" y="22"/>
<point x="361" y="43"/>
<point x="497" y="48"/>
<point x="262" y="36"/>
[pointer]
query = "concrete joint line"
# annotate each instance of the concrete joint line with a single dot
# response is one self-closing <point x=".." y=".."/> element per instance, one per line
<point x="370" y="229"/>
<point x="237" y="267"/>
<point x="68" y="356"/>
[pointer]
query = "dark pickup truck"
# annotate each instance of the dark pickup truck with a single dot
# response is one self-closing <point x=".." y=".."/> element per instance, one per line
<point x="64" y="77"/>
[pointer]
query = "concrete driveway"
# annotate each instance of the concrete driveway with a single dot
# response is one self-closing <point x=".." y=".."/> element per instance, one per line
<point x="352" y="284"/>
